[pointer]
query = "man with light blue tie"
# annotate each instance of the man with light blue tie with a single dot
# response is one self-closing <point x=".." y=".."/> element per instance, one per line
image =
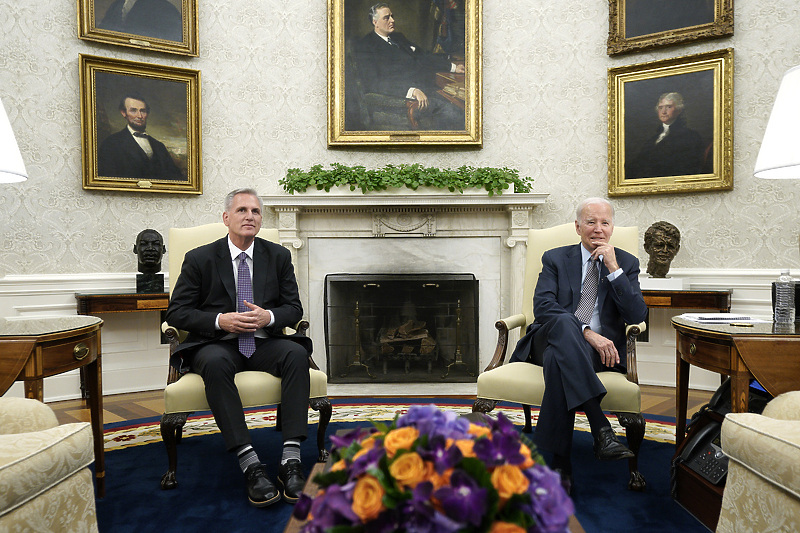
<point x="584" y="296"/>
<point x="234" y="296"/>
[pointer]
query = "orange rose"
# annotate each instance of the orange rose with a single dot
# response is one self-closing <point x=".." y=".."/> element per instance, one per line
<point x="400" y="439"/>
<point x="409" y="469"/>
<point x="509" y="480"/>
<point x="368" y="498"/>
<point x="505" y="527"/>
<point x="465" y="445"/>
<point x="526" y="453"/>
<point x="366" y="446"/>
<point x="440" y="480"/>
<point x="479" y="431"/>
<point x="338" y="465"/>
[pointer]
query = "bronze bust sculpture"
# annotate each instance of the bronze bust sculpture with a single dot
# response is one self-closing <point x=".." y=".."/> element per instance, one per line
<point x="662" y="241"/>
<point x="149" y="248"/>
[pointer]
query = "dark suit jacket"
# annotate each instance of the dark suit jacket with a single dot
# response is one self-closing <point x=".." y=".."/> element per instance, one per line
<point x="206" y="287"/>
<point x="392" y="70"/>
<point x="150" y="18"/>
<point x="558" y="291"/>
<point x="120" y="156"/>
<point x="680" y="153"/>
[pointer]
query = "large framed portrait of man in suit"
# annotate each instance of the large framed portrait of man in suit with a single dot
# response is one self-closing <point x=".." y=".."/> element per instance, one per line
<point x="670" y="125"/>
<point x="140" y="126"/>
<point x="161" y="25"/>
<point x="635" y="25"/>
<point x="404" y="73"/>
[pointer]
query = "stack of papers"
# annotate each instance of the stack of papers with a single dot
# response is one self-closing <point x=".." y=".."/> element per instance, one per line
<point x="720" y="318"/>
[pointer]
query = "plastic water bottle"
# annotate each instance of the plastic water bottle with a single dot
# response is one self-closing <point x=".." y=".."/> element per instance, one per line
<point x="784" y="299"/>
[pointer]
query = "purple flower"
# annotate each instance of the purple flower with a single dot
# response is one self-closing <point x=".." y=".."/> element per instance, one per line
<point x="443" y="457"/>
<point x="549" y="502"/>
<point x="345" y="440"/>
<point x="504" y="426"/>
<point x="334" y="508"/>
<point x="431" y="421"/>
<point x="501" y="449"/>
<point x="419" y="515"/>
<point x="302" y="506"/>
<point x="368" y="461"/>
<point x="464" y="500"/>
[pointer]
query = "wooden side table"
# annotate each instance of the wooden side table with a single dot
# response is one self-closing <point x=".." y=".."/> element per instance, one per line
<point x="719" y="300"/>
<point x="32" y="349"/>
<point x="90" y="304"/>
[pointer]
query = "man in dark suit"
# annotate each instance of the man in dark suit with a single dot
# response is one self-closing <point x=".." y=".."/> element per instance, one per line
<point x="673" y="150"/>
<point x="579" y="330"/>
<point x="234" y="296"/>
<point x="133" y="153"/>
<point x="391" y="64"/>
<point x="149" y="18"/>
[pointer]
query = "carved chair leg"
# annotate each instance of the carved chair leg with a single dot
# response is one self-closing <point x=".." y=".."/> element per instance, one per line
<point x="634" y="424"/>
<point x="171" y="430"/>
<point x="323" y="405"/>
<point x="526" y="409"/>
<point x="482" y="405"/>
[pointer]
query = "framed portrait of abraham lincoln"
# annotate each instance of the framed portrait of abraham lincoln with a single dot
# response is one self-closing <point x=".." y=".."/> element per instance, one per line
<point x="161" y="25"/>
<point x="140" y="126"/>
<point x="670" y="125"/>
<point x="635" y="25"/>
<point x="406" y="72"/>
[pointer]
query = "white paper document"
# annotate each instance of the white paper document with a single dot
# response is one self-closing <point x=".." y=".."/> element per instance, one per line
<point x="720" y="318"/>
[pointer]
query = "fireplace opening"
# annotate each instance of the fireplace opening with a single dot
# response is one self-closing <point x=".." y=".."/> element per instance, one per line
<point x="401" y="328"/>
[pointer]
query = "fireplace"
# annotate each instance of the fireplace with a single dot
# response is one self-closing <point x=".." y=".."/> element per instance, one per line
<point x="401" y="328"/>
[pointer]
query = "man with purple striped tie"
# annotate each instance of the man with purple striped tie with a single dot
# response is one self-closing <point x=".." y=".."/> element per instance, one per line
<point x="584" y="296"/>
<point x="234" y="296"/>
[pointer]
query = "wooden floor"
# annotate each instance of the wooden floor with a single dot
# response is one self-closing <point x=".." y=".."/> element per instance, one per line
<point x="123" y="407"/>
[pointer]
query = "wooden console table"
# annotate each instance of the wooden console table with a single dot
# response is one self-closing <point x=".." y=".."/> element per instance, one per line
<point x="740" y="352"/>
<point x="90" y="304"/>
<point x="689" y="299"/>
<point x="32" y="349"/>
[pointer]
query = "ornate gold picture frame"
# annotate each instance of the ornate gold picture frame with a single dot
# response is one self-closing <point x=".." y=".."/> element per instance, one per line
<point x="635" y="25"/>
<point x="433" y="47"/>
<point x="140" y="126"/>
<point x="161" y="25"/>
<point x="693" y="97"/>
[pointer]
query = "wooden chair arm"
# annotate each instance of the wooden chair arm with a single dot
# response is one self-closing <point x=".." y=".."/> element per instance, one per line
<point x="504" y="325"/>
<point x="631" y="332"/>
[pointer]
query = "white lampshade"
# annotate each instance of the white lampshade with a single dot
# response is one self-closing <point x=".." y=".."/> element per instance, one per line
<point x="12" y="168"/>
<point x="779" y="156"/>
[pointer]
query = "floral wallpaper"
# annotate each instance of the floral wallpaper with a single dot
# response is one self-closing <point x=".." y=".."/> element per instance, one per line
<point x="263" y="79"/>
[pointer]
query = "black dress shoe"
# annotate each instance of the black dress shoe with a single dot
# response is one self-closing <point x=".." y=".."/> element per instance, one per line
<point x="291" y="480"/>
<point x="260" y="490"/>
<point x="608" y="448"/>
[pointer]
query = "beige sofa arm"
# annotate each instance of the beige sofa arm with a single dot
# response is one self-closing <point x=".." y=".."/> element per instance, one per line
<point x="23" y="415"/>
<point x="785" y="406"/>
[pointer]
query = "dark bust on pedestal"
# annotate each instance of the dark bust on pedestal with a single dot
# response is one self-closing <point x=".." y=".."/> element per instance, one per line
<point x="662" y="241"/>
<point x="149" y="248"/>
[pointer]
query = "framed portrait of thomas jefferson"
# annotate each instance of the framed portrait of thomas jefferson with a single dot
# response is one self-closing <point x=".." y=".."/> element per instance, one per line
<point x="644" y="24"/>
<point x="670" y="125"/>
<point x="140" y="126"/>
<point x="404" y="73"/>
<point x="161" y="25"/>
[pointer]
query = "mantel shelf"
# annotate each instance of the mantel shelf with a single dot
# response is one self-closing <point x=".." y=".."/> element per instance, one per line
<point x="373" y="200"/>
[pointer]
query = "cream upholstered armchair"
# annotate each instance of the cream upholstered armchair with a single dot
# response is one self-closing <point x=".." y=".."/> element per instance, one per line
<point x="45" y="480"/>
<point x="762" y="492"/>
<point x="524" y="382"/>
<point x="185" y="393"/>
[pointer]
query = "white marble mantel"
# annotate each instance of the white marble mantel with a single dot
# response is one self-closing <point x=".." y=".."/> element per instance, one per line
<point x="354" y="232"/>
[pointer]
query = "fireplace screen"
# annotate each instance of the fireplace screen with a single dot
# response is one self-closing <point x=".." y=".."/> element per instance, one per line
<point x="401" y="327"/>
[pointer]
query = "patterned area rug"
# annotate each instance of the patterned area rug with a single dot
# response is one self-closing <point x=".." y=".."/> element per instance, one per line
<point x="146" y="431"/>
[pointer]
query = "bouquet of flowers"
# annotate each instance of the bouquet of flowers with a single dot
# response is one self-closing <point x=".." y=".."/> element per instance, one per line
<point x="434" y="471"/>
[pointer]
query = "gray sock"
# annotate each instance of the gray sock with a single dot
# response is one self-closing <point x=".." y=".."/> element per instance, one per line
<point x="291" y="450"/>
<point x="247" y="456"/>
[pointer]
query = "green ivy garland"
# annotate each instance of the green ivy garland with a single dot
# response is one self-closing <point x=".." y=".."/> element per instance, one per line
<point x="493" y="180"/>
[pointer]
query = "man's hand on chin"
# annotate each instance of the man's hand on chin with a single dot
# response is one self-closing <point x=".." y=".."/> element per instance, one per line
<point x="608" y="352"/>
